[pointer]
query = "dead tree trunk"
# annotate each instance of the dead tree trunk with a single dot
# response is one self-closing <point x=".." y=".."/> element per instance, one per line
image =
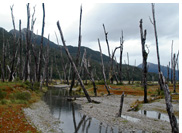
<point x="145" y="55"/>
<point x="14" y="46"/>
<point x="27" y="43"/>
<point x="89" y="74"/>
<point x="165" y="87"/>
<point x="156" y="40"/>
<point x="3" y="65"/>
<point x="103" y="69"/>
<point x="20" y="45"/>
<point x="168" y="67"/>
<point x="128" y="69"/>
<point x="121" y="105"/>
<point x="169" y="106"/>
<point x="73" y="64"/>
<point x="172" y="62"/>
<point x="41" y="44"/>
<point x="121" y="55"/>
<point x="175" y="60"/>
<point x="78" y="53"/>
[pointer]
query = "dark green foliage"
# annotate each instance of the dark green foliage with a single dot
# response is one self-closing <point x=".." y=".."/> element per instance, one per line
<point x="22" y="96"/>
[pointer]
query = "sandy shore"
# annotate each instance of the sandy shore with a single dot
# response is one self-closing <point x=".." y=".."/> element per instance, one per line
<point x="107" y="110"/>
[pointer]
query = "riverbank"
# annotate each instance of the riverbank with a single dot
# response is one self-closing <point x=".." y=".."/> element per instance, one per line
<point x="39" y="115"/>
<point x="108" y="108"/>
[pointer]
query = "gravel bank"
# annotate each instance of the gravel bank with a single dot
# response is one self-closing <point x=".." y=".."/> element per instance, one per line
<point x="38" y="114"/>
<point x="108" y="108"/>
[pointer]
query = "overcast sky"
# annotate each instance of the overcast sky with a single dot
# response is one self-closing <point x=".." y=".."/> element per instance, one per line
<point x="116" y="17"/>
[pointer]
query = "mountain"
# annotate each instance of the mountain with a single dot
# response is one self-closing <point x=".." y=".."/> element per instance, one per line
<point x="154" y="69"/>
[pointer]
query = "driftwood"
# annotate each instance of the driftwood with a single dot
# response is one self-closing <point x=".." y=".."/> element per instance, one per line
<point x="121" y="105"/>
<point x="73" y="64"/>
<point x="103" y="70"/>
<point x="145" y="55"/>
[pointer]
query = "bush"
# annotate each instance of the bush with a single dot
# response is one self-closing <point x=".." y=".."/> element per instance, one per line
<point x="22" y="96"/>
<point x="2" y="94"/>
<point x="28" y="84"/>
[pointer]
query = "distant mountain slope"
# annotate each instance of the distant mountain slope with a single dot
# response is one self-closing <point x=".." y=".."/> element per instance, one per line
<point x="154" y="69"/>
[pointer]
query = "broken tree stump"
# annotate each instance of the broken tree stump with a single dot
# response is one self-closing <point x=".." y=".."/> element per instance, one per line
<point x="121" y="105"/>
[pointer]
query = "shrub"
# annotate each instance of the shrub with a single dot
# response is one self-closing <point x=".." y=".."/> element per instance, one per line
<point x="2" y="94"/>
<point x="22" y="96"/>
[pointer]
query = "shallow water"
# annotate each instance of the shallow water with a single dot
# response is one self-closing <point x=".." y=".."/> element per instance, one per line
<point x="155" y="115"/>
<point x="72" y="121"/>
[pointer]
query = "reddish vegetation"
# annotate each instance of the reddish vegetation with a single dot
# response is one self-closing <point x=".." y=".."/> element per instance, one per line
<point x="13" y="120"/>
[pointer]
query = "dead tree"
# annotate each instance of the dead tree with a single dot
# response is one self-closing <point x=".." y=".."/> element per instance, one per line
<point x="172" y="62"/>
<point x="41" y="45"/>
<point x="73" y="64"/>
<point x="3" y="68"/>
<point x="156" y="40"/>
<point x="27" y="44"/>
<point x="144" y="55"/>
<point x="103" y="69"/>
<point x="128" y="69"/>
<point x="168" y="67"/>
<point x="89" y="74"/>
<point x="121" y="105"/>
<point x="164" y="86"/>
<point x="78" y="52"/>
<point x="14" y="46"/>
<point x="175" y="60"/>
<point x="121" y="55"/>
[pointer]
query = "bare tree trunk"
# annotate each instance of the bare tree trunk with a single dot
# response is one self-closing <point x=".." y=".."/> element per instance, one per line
<point x="27" y="43"/>
<point x="168" y="67"/>
<point x="156" y="40"/>
<point x="175" y="60"/>
<point x="172" y="62"/>
<point x="121" y="105"/>
<point x="165" y="87"/>
<point x="87" y="71"/>
<point x="145" y="55"/>
<point x="78" y="52"/>
<point x="14" y="46"/>
<point x="4" y="58"/>
<point x="169" y="106"/>
<point x="73" y="64"/>
<point x="121" y="55"/>
<point x="41" y="45"/>
<point x="103" y="70"/>
<point x="128" y="69"/>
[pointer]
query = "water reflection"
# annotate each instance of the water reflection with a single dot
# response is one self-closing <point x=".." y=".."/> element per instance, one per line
<point x="72" y="121"/>
<point x="155" y="115"/>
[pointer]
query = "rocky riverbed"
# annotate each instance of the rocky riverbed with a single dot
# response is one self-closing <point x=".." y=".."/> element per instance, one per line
<point x="108" y="108"/>
<point x="39" y="115"/>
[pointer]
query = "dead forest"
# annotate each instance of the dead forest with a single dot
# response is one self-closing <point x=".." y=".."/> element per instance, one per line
<point x="22" y="59"/>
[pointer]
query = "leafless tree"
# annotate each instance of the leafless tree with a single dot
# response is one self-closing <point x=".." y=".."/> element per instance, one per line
<point x="145" y="55"/>
<point x="78" y="52"/>
<point x="164" y="86"/>
<point x="41" y="44"/>
<point x="175" y="60"/>
<point x="103" y="69"/>
<point x="121" y="55"/>
<point x="172" y="62"/>
<point x="73" y="64"/>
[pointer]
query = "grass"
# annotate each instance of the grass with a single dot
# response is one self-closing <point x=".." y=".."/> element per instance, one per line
<point x="14" y="96"/>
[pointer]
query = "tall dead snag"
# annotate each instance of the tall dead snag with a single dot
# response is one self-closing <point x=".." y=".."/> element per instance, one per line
<point x="168" y="67"/>
<point x="73" y="64"/>
<point x="145" y="55"/>
<point x="156" y="40"/>
<point x="112" y="65"/>
<point x="172" y="62"/>
<point x="3" y="68"/>
<point x="89" y="74"/>
<point x="121" y="55"/>
<point x="169" y="106"/>
<point x="103" y="69"/>
<point x="41" y="45"/>
<point x="164" y="86"/>
<point x="78" y="52"/>
<point x="121" y="105"/>
<point x="27" y="43"/>
<point x="14" y="46"/>
<point x="20" y="51"/>
<point x="175" y="60"/>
